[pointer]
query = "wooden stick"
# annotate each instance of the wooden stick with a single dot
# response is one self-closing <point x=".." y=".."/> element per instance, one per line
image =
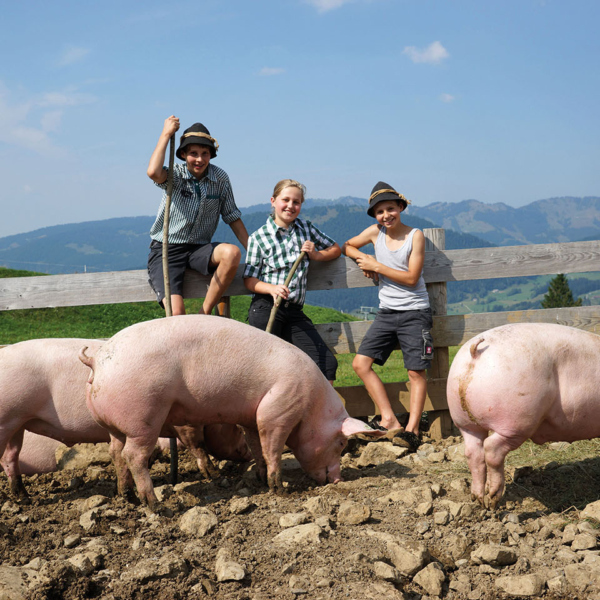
<point x="165" y="242"/>
<point x="167" y="301"/>
<point x="279" y="298"/>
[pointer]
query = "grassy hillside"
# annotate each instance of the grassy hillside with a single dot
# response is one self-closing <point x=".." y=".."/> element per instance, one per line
<point x="518" y="293"/>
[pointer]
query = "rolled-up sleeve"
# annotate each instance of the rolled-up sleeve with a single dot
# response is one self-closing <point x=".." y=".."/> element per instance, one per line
<point x="320" y="239"/>
<point x="254" y="261"/>
<point x="229" y="210"/>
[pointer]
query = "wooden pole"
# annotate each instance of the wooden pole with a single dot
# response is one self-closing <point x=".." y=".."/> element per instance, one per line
<point x="165" y="242"/>
<point x="440" y="421"/>
<point x="279" y="298"/>
<point x="167" y="301"/>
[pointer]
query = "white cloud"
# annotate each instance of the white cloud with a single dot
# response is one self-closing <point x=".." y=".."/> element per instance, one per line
<point x="66" y="98"/>
<point x="72" y="54"/>
<point x="26" y="121"/>
<point x="50" y="121"/>
<point x="270" y="71"/>
<point x="447" y="98"/>
<point x="327" y="5"/>
<point x="434" y="54"/>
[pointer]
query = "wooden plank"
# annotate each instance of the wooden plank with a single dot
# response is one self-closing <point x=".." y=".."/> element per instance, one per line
<point x="451" y="265"/>
<point x="512" y="261"/>
<point x="359" y="404"/>
<point x="441" y="424"/>
<point x="83" y="289"/>
<point x="455" y="330"/>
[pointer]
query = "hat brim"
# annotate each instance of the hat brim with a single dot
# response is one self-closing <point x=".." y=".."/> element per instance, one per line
<point x="382" y="198"/>
<point x="200" y="141"/>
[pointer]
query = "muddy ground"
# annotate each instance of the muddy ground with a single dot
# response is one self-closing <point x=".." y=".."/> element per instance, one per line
<point x="401" y="525"/>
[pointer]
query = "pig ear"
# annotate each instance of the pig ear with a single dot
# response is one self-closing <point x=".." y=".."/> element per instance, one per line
<point x="352" y="426"/>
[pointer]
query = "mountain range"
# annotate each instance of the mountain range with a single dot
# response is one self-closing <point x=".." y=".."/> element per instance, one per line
<point x="122" y="243"/>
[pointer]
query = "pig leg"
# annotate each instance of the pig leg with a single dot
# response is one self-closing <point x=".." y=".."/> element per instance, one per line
<point x="10" y="464"/>
<point x="273" y="440"/>
<point x="136" y="452"/>
<point x="496" y="448"/>
<point x="253" y="440"/>
<point x="124" y="478"/>
<point x="475" y="454"/>
<point x="193" y="439"/>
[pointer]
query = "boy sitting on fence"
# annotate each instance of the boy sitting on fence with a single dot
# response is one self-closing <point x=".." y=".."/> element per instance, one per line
<point x="404" y="316"/>
<point x="201" y="193"/>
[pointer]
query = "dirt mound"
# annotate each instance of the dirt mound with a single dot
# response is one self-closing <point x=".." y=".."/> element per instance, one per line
<point x="401" y="525"/>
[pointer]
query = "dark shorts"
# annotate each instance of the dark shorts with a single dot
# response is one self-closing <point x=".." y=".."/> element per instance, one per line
<point x="181" y="257"/>
<point x="409" y="328"/>
<point x="293" y="326"/>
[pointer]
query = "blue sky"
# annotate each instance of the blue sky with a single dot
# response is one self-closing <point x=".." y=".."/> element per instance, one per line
<point x="495" y="100"/>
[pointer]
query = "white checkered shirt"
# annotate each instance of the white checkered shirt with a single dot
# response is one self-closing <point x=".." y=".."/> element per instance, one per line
<point x="272" y="251"/>
<point x="196" y="206"/>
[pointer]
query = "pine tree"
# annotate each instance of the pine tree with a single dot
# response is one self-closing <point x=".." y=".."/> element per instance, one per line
<point x="559" y="294"/>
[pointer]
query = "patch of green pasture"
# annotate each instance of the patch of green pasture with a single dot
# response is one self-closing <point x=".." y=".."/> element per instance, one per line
<point x="392" y="371"/>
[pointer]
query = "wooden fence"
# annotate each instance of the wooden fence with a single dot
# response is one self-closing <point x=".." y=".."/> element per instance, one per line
<point x="440" y="267"/>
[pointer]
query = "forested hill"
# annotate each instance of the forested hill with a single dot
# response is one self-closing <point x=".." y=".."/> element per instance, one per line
<point x="122" y="244"/>
<point x="342" y="222"/>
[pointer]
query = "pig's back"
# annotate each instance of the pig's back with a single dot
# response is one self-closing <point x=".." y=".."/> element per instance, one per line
<point x="43" y="366"/>
<point x="203" y="355"/>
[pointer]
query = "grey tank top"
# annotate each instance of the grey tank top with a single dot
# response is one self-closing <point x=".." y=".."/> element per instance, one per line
<point x="392" y="295"/>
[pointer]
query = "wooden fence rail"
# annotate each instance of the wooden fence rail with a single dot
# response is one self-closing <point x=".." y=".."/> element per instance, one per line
<point x="440" y="267"/>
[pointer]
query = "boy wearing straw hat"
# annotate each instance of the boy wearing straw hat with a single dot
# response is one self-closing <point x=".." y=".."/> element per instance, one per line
<point x="201" y="194"/>
<point x="404" y="316"/>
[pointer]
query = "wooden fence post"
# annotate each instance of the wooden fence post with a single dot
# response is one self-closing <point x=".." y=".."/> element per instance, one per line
<point x="440" y="421"/>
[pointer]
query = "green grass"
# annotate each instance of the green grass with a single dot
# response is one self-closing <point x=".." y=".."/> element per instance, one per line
<point x="392" y="371"/>
<point x="103" y="321"/>
<point x="562" y="480"/>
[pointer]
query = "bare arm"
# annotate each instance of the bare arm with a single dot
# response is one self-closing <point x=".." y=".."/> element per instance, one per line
<point x="157" y="160"/>
<point x="351" y="247"/>
<point x="241" y="234"/>
<point x="409" y="278"/>
<point x="368" y="236"/>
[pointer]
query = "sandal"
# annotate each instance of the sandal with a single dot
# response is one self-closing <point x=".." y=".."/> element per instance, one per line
<point x="413" y="440"/>
<point x="375" y="423"/>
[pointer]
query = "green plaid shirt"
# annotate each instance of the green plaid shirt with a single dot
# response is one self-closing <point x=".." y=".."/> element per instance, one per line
<point x="272" y="251"/>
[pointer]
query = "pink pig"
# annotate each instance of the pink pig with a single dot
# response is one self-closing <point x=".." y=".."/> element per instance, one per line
<point x="37" y="454"/>
<point x="521" y="381"/>
<point x="202" y="369"/>
<point x="42" y="390"/>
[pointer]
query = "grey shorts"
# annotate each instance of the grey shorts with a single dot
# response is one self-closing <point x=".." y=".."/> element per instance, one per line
<point x="181" y="257"/>
<point x="409" y="328"/>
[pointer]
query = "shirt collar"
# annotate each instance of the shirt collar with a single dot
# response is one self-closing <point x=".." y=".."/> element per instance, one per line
<point x="274" y="228"/>
<point x="210" y="174"/>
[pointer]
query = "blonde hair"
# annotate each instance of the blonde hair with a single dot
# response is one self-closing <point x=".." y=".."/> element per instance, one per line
<point x="281" y="185"/>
